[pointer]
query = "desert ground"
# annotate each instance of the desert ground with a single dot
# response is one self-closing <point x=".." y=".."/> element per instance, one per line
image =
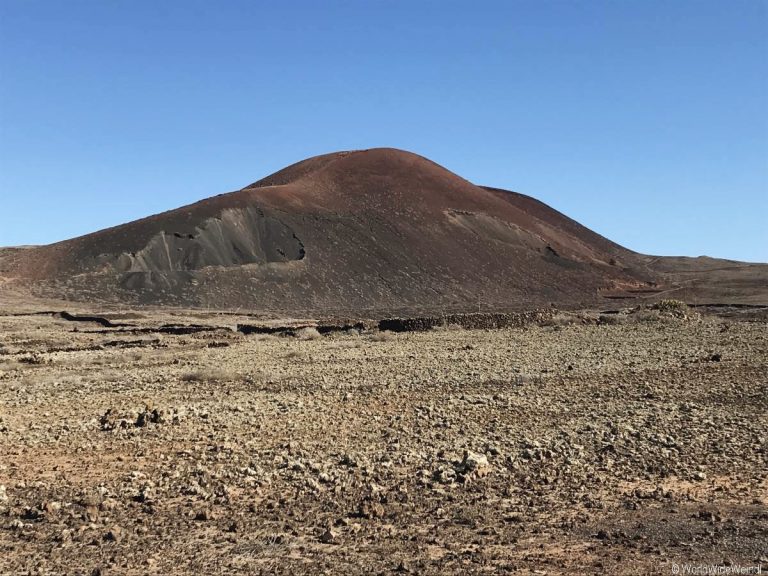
<point x="630" y="443"/>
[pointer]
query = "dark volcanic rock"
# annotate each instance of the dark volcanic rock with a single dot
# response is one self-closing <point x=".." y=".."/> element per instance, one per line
<point x="477" y="321"/>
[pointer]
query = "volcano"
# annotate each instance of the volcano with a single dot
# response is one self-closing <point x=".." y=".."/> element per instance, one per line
<point x="378" y="230"/>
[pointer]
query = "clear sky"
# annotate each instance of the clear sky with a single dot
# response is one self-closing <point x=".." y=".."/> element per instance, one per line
<point x="645" y="120"/>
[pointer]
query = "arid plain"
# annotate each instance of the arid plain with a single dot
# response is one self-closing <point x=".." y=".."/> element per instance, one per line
<point x="624" y="443"/>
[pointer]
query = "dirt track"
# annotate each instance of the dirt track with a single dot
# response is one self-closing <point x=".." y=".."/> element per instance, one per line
<point x="558" y="449"/>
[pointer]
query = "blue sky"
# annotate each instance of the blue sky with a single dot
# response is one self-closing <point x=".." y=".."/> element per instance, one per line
<point x="644" y="120"/>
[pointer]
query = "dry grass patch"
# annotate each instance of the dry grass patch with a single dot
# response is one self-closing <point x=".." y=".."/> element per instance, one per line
<point x="209" y="374"/>
<point x="263" y="337"/>
<point x="308" y="333"/>
<point x="559" y="320"/>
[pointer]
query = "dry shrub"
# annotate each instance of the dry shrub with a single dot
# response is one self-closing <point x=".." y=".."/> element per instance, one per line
<point x="646" y="316"/>
<point x="612" y="319"/>
<point x="263" y="376"/>
<point x="664" y="310"/>
<point x="308" y="333"/>
<point x="559" y="320"/>
<point x="207" y="375"/>
<point x="675" y="308"/>
<point x="296" y="355"/>
<point x="109" y="375"/>
<point x="267" y="549"/>
<point x="384" y="336"/>
<point x="135" y="356"/>
<point x="8" y="365"/>
<point x="356" y="343"/>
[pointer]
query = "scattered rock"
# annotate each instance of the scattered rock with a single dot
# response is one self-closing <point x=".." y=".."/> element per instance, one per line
<point x="379" y="448"/>
<point x="474" y="465"/>
<point x="149" y="416"/>
<point x="114" y="534"/>
<point x="445" y="474"/>
<point x="110" y="421"/>
<point x="330" y="536"/>
<point x="370" y="509"/>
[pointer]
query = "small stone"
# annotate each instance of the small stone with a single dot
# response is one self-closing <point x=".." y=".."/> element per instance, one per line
<point x="349" y="460"/>
<point x="108" y="420"/>
<point x="371" y="509"/>
<point x="475" y="463"/>
<point x="204" y="515"/>
<point x="445" y="475"/>
<point x="33" y="513"/>
<point x="146" y="493"/>
<point x="115" y="534"/>
<point x="709" y="516"/>
<point x="149" y="416"/>
<point x="3" y="495"/>
<point x="330" y="536"/>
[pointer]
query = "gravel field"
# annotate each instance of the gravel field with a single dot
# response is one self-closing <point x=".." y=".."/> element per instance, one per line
<point x="627" y="448"/>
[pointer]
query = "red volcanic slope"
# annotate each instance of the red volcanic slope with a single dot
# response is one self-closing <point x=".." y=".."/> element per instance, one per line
<point x="378" y="230"/>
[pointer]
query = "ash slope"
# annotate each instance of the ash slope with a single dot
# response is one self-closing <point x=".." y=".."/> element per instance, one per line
<point x="378" y="230"/>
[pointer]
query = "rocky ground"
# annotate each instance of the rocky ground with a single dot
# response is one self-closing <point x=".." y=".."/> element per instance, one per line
<point x="627" y="447"/>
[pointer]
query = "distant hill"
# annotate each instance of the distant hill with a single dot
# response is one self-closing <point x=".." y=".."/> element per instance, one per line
<point x="375" y="231"/>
